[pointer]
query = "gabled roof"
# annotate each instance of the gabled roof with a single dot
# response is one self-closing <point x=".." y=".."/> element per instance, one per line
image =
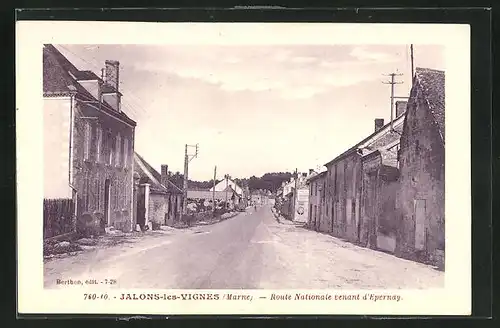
<point x="149" y="175"/>
<point x="60" y="77"/>
<point x="316" y="176"/>
<point x="397" y="126"/>
<point x="432" y="85"/>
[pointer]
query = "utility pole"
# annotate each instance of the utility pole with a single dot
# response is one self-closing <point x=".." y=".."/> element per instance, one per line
<point x="227" y="177"/>
<point x="213" y="192"/>
<point x="295" y="193"/>
<point x="393" y="82"/>
<point x="411" y="59"/>
<point x="187" y="158"/>
<point x="100" y="89"/>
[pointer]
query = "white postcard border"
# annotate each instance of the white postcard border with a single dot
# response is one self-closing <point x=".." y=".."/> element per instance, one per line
<point x="455" y="298"/>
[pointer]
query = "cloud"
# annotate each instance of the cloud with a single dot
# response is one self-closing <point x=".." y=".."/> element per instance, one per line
<point x="302" y="92"/>
<point x="362" y="54"/>
<point x="303" y="60"/>
<point x="285" y="72"/>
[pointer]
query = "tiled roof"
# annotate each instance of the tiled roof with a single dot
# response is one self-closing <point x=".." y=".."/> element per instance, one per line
<point x="317" y="176"/>
<point x="149" y="175"/>
<point x="432" y="85"/>
<point x="60" y="77"/>
<point x="55" y="78"/>
<point x="86" y="75"/>
<point x="397" y="126"/>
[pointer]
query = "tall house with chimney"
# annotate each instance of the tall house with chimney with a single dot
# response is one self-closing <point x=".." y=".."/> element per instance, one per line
<point x="88" y="142"/>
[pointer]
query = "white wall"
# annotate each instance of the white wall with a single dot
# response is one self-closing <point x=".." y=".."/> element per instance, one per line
<point x="56" y="143"/>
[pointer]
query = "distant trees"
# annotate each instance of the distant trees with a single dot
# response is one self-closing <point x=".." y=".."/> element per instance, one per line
<point x="269" y="181"/>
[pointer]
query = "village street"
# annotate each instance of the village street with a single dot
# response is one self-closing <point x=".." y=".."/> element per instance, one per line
<point x="252" y="251"/>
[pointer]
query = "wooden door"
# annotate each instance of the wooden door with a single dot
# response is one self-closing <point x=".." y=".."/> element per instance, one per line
<point x="419" y="224"/>
<point x="107" y="195"/>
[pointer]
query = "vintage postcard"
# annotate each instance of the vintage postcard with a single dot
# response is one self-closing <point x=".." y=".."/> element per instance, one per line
<point x="236" y="168"/>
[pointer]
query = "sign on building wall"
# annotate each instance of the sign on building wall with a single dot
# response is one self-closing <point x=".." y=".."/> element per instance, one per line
<point x="302" y="205"/>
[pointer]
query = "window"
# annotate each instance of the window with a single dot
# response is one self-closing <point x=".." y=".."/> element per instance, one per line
<point x="417" y="147"/>
<point x="86" y="141"/>
<point x="110" y="148"/>
<point x="118" y="142"/>
<point x="98" y="144"/>
<point x="125" y="152"/>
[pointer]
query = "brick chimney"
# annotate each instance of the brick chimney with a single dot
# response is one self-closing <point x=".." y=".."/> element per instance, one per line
<point x="112" y="77"/>
<point x="379" y="123"/>
<point x="110" y="91"/>
<point x="164" y="174"/>
<point x="400" y="107"/>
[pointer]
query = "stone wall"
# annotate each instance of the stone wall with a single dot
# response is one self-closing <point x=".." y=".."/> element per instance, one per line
<point x="90" y="174"/>
<point x="422" y="183"/>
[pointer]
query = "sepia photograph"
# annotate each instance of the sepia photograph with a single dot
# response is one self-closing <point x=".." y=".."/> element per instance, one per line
<point x="191" y="170"/>
<point x="174" y="166"/>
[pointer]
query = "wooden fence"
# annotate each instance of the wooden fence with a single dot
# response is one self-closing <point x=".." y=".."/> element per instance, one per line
<point x="58" y="217"/>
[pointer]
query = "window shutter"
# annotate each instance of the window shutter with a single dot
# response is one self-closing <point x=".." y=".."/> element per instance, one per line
<point x="99" y="144"/>
<point x="86" y="141"/>
<point x="125" y="153"/>
<point x="118" y="152"/>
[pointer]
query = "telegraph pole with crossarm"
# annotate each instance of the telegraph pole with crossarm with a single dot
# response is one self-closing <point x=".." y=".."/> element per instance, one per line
<point x="393" y="82"/>
<point x="187" y="158"/>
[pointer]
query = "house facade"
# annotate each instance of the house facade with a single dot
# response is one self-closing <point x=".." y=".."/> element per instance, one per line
<point x="88" y="141"/>
<point x="348" y="204"/>
<point x="316" y="213"/>
<point x="158" y="200"/>
<point x="422" y="171"/>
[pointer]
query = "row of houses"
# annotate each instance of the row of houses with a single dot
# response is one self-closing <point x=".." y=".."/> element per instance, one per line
<point x="229" y="193"/>
<point x="386" y="192"/>
<point x="292" y="198"/>
<point x="90" y="160"/>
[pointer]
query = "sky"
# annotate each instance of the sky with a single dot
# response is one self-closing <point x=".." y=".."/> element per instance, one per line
<point x="254" y="109"/>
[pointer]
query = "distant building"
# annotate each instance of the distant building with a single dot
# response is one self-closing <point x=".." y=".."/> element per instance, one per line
<point x="221" y="197"/>
<point x="316" y="201"/>
<point x="222" y="185"/>
<point x="295" y="199"/>
<point x="422" y="171"/>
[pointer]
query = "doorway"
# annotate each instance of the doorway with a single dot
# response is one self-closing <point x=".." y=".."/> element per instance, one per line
<point x="419" y="224"/>
<point x="107" y="188"/>
<point x="141" y="207"/>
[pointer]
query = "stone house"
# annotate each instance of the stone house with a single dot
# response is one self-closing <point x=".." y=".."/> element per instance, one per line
<point x="159" y="201"/>
<point x="422" y="170"/>
<point x="317" y="202"/>
<point x="88" y="141"/>
<point x="346" y="213"/>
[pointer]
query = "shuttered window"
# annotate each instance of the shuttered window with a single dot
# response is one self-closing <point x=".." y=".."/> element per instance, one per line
<point x="125" y="153"/>
<point x="86" y="141"/>
<point x="118" y="150"/>
<point x="98" y="144"/>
